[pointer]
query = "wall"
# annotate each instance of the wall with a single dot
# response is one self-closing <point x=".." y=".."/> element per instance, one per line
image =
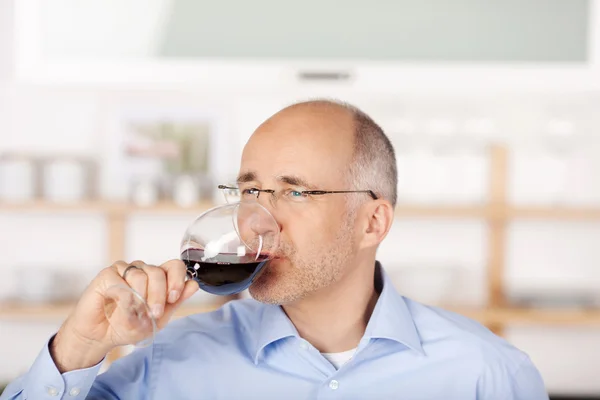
<point x="465" y="30"/>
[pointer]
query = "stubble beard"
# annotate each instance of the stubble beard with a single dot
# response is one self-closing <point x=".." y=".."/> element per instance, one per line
<point x="302" y="275"/>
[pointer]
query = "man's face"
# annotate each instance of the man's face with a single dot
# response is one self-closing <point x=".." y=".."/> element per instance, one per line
<point x="303" y="149"/>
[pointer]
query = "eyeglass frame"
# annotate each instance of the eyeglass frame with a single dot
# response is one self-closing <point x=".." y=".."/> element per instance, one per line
<point x="305" y="192"/>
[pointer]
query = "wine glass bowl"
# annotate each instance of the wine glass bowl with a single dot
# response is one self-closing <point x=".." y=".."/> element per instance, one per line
<point x="226" y="248"/>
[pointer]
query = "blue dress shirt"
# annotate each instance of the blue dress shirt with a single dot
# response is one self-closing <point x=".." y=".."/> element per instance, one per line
<point x="249" y="350"/>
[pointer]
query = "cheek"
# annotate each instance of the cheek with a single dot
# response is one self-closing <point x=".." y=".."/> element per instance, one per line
<point x="311" y="232"/>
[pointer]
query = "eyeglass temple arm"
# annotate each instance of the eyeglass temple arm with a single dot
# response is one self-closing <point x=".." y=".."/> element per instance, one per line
<point x="318" y="192"/>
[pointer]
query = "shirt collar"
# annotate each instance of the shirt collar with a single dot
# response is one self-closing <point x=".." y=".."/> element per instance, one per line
<point x="274" y="325"/>
<point x="391" y="320"/>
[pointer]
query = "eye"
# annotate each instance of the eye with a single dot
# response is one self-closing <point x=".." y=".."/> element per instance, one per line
<point x="295" y="195"/>
<point x="250" y="192"/>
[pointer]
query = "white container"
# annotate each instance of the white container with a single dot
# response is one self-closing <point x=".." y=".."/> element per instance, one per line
<point x="47" y="284"/>
<point x="144" y="193"/>
<point x="64" y="181"/>
<point x="185" y="191"/>
<point x="17" y="180"/>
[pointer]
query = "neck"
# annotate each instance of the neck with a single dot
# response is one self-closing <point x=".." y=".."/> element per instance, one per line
<point x="334" y="319"/>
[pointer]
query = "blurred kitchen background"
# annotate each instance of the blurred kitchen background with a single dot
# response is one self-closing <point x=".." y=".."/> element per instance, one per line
<point x="119" y="118"/>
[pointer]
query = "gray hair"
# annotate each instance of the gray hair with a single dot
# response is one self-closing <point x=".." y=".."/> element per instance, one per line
<point x="374" y="160"/>
<point x="373" y="165"/>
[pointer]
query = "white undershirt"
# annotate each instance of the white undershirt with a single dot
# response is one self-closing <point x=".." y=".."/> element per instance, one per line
<point x="339" y="359"/>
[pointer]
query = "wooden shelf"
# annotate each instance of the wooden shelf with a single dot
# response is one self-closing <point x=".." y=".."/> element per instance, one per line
<point x="555" y="213"/>
<point x="522" y="316"/>
<point x="168" y="208"/>
<point x="104" y="207"/>
<point x="487" y="316"/>
<point x="35" y="311"/>
<point x="58" y="312"/>
<point x="48" y="207"/>
<point x="403" y="210"/>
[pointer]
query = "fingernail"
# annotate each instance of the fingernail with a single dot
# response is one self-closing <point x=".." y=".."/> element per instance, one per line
<point x="173" y="296"/>
<point x="157" y="310"/>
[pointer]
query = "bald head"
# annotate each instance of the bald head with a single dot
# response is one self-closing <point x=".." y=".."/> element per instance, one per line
<point x="372" y="163"/>
<point x="317" y="118"/>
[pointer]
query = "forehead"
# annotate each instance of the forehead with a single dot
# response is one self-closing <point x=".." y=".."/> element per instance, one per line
<point x="315" y="146"/>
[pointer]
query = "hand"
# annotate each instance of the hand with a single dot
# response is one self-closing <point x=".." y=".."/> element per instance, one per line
<point x="88" y="335"/>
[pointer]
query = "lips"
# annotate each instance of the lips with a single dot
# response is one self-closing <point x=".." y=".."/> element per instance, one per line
<point x="274" y="256"/>
<point x="279" y="256"/>
<point x="268" y="256"/>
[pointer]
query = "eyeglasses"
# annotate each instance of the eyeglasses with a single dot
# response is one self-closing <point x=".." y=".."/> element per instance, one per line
<point x="233" y="194"/>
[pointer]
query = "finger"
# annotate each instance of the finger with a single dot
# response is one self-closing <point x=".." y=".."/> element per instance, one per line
<point x="157" y="289"/>
<point x="113" y="275"/>
<point x="176" y="276"/>
<point x="119" y="268"/>
<point x="189" y="289"/>
<point x="122" y="307"/>
<point x="109" y="282"/>
<point x="137" y="279"/>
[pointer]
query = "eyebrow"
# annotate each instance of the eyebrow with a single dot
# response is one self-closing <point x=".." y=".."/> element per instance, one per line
<point x="246" y="177"/>
<point x="293" y="180"/>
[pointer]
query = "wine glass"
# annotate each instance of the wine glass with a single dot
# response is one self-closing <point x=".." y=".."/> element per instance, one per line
<point x="224" y="249"/>
<point x="227" y="247"/>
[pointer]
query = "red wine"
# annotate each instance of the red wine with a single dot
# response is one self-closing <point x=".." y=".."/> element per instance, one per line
<point x="224" y="274"/>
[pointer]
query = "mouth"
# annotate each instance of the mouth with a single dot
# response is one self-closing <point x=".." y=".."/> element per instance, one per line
<point x="267" y="256"/>
<point x="271" y="254"/>
<point x="274" y="257"/>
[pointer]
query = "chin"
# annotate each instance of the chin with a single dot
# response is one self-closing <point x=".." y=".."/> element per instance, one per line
<point x="271" y="287"/>
<point x="264" y="284"/>
<point x="273" y="269"/>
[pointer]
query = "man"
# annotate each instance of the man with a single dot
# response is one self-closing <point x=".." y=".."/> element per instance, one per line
<point x="324" y="322"/>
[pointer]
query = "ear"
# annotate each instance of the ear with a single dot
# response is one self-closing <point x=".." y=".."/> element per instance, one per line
<point x="376" y="222"/>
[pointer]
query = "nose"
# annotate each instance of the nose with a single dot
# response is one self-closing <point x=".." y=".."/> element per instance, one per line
<point x="258" y="228"/>
<point x="269" y="201"/>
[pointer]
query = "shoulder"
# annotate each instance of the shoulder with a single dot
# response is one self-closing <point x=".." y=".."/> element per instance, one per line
<point x="501" y="368"/>
<point x="447" y="331"/>
<point x="236" y="316"/>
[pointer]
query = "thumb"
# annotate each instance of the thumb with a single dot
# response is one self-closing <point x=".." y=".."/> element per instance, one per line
<point x="189" y="289"/>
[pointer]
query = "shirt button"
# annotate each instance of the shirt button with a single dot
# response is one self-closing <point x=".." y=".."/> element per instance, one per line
<point x="74" y="392"/>
<point x="52" y="391"/>
<point x="334" y="384"/>
<point x="304" y="346"/>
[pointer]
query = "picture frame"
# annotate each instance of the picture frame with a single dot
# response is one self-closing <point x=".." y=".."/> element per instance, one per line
<point x="156" y="143"/>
